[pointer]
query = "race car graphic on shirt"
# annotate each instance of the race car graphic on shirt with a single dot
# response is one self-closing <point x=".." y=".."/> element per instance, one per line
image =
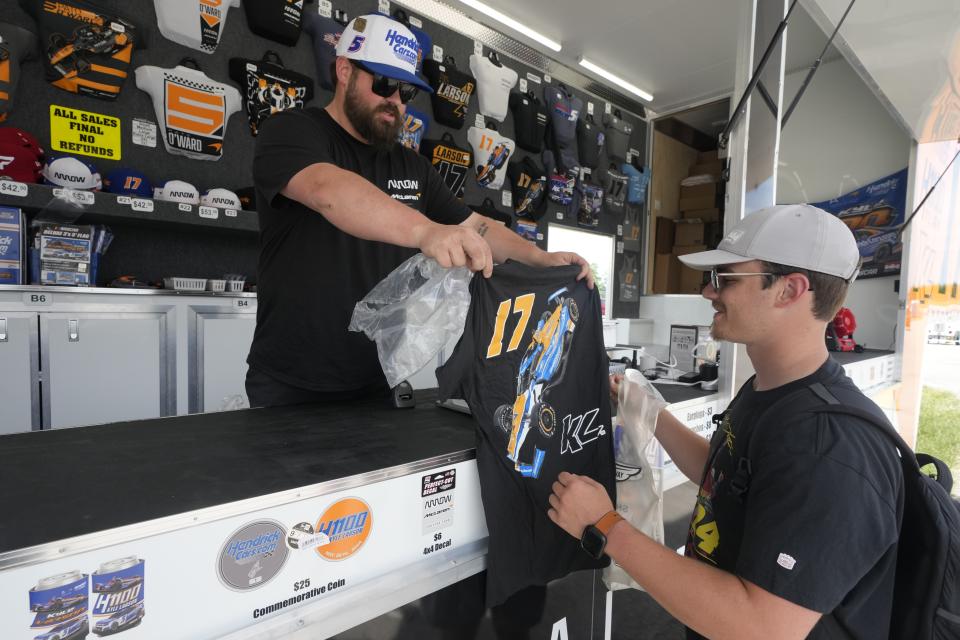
<point x="487" y="171"/>
<point x="542" y="367"/>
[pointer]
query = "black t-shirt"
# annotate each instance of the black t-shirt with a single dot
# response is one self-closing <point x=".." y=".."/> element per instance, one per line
<point x="532" y="368"/>
<point x="278" y="20"/>
<point x="819" y="523"/>
<point x="530" y="120"/>
<point x="589" y="141"/>
<point x="267" y="87"/>
<point x="529" y="188"/>
<point x="311" y="274"/>
<point x="452" y="89"/>
<point x="451" y="161"/>
<point x="16" y="45"/>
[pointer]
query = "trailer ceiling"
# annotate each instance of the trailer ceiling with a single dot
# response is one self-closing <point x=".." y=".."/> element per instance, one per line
<point x="681" y="51"/>
<point x="909" y="53"/>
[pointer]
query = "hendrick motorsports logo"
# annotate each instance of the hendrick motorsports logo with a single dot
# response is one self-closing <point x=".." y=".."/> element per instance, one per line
<point x="253" y="555"/>
<point x="347" y="523"/>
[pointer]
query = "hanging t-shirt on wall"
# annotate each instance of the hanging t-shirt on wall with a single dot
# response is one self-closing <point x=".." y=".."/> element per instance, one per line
<point x="627" y="279"/>
<point x="277" y="20"/>
<point x="192" y="109"/>
<point x="16" y="45"/>
<point x="451" y="161"/>
<point x="87" y="50"/>
<point x="618" y="132"/>
<point x="564" y="109"/>
<point x="413" y="129"/>
<point x="268" y="87"/>
<point x="529" y="188"/>
<point x="197" y="24"/>
<point x="326" y="34"/>
<point x="494" y="84"/>
<point x="452" y="89"/>
<point x="590" y="139"/>
<point x="490" y="154"/>
<point x="529" y="120"/>
<point x="532" y="368"/>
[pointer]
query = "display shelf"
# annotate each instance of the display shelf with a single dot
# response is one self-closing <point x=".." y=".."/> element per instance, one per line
<point x="107" y="208"/>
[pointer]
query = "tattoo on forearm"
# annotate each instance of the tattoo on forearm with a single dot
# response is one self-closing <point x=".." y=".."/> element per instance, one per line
<point x="482" y="229"/>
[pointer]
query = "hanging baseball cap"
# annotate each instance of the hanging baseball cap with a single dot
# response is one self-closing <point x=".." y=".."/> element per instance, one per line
<point x="19" y="137"/>
<point x="221" y="199"/>
<point x="19" y="164"/>
<point x="795" y="235"/>
<point x="128" y="182"/>
<point x="247" y="197"/>
<point x="383" y="45"/>
<point x="73" y="173"/>
<point x="177" y="191"/>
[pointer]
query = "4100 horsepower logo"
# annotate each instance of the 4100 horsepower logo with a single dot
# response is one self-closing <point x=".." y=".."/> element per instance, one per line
<point x="347" y="523"/>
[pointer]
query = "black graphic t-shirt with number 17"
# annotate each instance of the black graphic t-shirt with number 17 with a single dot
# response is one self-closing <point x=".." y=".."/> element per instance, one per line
<point x="532" y="367"/>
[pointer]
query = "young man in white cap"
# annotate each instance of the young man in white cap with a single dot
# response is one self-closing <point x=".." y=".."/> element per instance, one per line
<point x="341" y="205"/>
<point x="795" y="528"/>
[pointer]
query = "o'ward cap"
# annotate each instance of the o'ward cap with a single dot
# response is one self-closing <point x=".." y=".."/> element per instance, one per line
<point x="796" y="235"/>
<point x="383" y="45"/>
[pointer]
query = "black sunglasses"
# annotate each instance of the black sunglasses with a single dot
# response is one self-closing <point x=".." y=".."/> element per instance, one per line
<point x="386" y="87"/>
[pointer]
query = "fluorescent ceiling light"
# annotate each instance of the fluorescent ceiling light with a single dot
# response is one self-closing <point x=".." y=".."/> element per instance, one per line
<point x="513" y="24"/>
<point x="603" y="73"/>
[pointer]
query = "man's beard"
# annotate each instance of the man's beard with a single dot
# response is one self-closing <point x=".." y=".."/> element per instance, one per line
<point x="377" y="132"/>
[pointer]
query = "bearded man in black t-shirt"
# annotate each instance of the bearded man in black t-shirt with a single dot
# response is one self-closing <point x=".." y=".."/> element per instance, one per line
<point x="340" y="206"/>
<point x="796" y="525"/>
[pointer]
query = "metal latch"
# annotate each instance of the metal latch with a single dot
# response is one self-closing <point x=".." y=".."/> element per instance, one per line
<point x="3" y="329"/>
<point x="73" y="330"/>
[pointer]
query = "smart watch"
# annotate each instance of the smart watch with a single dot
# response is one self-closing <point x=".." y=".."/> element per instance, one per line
<point x="594" y="538"/>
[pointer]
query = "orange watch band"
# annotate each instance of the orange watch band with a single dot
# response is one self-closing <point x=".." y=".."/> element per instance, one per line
<point x="609" y="519"/>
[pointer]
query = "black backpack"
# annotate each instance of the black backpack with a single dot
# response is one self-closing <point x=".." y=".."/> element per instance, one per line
<point x="926" y="600"/>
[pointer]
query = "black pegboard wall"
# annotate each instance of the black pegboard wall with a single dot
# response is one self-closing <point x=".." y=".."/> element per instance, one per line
<point x="152" y="253"/>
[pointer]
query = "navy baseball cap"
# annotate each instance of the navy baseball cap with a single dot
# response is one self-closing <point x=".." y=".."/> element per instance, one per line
<point x="128" y="182"/>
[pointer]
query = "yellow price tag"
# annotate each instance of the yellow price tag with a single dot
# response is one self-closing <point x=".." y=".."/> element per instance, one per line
<point x="81" y="132"/>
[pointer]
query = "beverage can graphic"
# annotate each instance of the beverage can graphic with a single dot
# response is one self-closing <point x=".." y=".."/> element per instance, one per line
<point x="118" y="595"/>
<point x="60" y="603"/>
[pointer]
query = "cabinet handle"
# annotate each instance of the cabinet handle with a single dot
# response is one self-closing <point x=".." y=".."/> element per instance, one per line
<point x="3" y="329"/>
<point x="73" y="330"/>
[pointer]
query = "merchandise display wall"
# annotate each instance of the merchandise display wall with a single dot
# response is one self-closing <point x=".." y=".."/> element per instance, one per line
<point x="164" y="251"/>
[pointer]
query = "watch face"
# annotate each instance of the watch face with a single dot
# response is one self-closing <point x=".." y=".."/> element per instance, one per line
<point x="593" y="542"/>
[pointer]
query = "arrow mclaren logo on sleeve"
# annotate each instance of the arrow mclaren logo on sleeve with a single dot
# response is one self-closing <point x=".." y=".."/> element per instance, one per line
<point x="580" y="431"/>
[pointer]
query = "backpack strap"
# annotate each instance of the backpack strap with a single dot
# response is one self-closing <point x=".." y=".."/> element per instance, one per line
<point x="740" y="482"/>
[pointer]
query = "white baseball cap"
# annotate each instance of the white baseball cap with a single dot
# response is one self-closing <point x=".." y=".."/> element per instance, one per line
<point x="221" y="199"/>
<point x="177" y="191"/>
<point x="796" y="235"/>
<point x="383" y="45"/>
<point x="67" y="171"/>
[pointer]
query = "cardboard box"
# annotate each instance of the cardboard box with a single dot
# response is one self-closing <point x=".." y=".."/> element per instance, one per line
<point x="688" y="280"/>
<point x="688" y="232"/>
<point x="666" y="273"/>
<point x="703" y="215"/>
<point x="663" y="242"/>
<point x="699" y="196"/>
<point x="709" y="168"/>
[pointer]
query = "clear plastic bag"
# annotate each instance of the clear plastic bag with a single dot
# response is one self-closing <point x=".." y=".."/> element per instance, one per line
<point x="413" y="313"/>
<point x="639" y="487"/>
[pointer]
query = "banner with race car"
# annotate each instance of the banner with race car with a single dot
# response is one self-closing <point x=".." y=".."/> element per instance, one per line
<point x="875" y="213"/>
